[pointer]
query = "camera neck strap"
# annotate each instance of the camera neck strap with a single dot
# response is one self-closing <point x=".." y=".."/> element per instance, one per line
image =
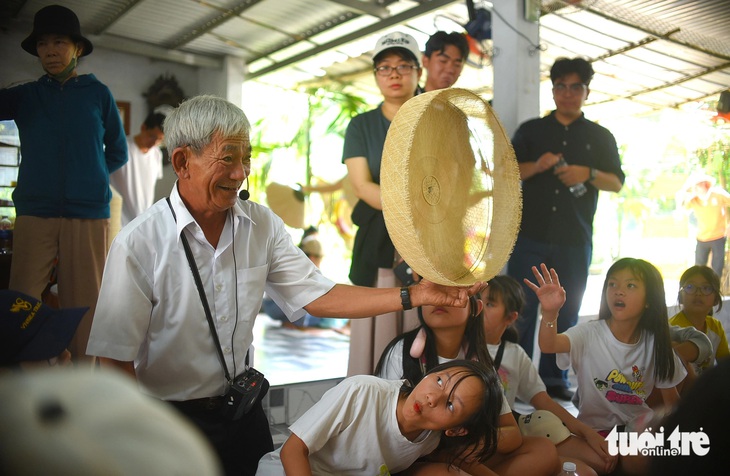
<point x="203" y="298"/>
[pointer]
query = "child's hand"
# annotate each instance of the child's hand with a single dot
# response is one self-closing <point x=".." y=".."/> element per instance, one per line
<point x="548" y="289"/>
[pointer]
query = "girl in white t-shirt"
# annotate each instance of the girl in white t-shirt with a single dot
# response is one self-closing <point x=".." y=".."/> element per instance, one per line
<point x="448" y="333"/>
<point x="622" y="356"/>
<point x="503" y="303"/>
<point x="368" y="425"/>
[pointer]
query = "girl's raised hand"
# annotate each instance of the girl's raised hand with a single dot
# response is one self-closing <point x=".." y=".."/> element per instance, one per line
<point x="548" y="289"/>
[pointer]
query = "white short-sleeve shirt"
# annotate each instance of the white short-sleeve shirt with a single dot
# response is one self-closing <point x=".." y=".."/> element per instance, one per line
<point x="614" y="378"/>
<point x="149" y="310"/>
<point x="517" y="372"/>
<point x="353" y="430"/>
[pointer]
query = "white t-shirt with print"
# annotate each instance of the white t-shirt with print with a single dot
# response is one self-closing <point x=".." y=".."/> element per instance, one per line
<point x="614" y="378"/>
<point x="353" y="430"/>
<point x="518" y="374"/>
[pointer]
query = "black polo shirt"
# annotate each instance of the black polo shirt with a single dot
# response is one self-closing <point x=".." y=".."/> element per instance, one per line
<point x="550" y="213"/>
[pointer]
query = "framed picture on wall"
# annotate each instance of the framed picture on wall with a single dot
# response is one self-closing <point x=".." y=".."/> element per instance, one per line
<point x="123" y="107"/>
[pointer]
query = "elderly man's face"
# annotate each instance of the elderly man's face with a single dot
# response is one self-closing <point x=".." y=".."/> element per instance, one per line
<point x="217" y="173"/>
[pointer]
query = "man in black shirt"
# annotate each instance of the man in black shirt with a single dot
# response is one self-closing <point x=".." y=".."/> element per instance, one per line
<point x="556" y="153"/>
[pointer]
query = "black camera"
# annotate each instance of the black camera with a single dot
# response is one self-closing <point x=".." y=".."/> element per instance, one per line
<point x="404" y="273"/>
<point x="247" y="389"/>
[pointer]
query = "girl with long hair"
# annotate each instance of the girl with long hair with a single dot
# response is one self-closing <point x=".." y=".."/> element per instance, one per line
<point x="447" y="333"/>
<point x="620" y="357"/>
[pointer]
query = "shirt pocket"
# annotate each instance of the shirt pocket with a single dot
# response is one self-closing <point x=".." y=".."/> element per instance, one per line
<point x="250" y="285"/>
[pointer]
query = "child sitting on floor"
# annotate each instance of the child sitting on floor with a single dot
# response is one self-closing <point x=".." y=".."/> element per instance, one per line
<point x="367" y="425"/>
<point x="504" y="300"/>
<point x="622" y="356"/>
<point x="581" y="444"/>
<point x="456" y="333"/>
<point x="699" y="293"/>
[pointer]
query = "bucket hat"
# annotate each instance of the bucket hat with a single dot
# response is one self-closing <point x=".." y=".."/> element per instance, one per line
<point x="58" y="20"/>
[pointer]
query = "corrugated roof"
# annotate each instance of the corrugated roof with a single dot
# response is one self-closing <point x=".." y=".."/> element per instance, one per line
<point x="646" y="54"/>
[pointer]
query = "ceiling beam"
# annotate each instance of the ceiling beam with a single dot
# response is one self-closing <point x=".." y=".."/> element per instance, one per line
<point x="139" y="48"/>
<point x="667" y="36"/>
<point x="207" y="25"/>
<point x="367" y="8"/>
<point x="425" y="7"/>
<point x="677" y="82"/>
<point x="128" y="5"/>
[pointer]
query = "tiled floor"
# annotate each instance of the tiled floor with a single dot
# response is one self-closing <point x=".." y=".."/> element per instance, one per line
<point x="289" y="356"/>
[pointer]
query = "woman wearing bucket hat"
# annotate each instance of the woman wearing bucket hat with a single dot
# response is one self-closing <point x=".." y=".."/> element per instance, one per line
<point x="397" y="71"/>
<point x="71" y="140"/>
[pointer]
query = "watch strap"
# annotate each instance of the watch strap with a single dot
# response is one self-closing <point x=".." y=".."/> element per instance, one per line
<point x="405" y="298"/>
<point x="593" y="175"/>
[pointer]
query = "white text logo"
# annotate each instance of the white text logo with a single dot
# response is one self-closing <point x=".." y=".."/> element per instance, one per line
<point x="679" y="443"/>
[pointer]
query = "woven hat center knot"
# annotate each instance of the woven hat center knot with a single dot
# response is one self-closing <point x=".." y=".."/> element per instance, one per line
<point x="431" y="190"/>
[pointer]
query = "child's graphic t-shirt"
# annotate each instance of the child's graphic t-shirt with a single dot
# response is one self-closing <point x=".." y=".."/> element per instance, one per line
<point x="614" y="378"/>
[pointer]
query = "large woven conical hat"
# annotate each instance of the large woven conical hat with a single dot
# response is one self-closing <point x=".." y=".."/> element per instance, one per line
<point x="450" y="187"/>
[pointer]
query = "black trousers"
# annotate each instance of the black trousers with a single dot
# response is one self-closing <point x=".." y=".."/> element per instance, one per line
<point x="240" y="444"/>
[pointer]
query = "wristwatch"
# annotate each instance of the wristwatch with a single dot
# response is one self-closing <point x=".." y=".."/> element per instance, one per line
<point x="592" y="176"/>
<point x="405" y="298"/>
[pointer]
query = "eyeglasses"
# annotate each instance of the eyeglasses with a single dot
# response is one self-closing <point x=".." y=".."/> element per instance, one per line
<point x="402" y="69"/>
<point x="705" y="290"/>
<point x="574" y="88"/>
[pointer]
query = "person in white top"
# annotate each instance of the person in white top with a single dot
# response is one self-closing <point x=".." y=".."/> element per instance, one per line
<point x="504" y="300"/>
<point x="136" y="180"/>
<point x="454" y="333"/>
<point x="622" y="356"/>
<point x="150" y="318"/>
<point x="503" y="303"/>
<point x="367" y="425"/>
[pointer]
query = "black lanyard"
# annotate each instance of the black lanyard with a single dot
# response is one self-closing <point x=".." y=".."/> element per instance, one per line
<point x="203" y="298"/>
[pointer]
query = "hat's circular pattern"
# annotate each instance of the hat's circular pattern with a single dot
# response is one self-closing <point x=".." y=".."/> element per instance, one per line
<point x="450" y="187"/>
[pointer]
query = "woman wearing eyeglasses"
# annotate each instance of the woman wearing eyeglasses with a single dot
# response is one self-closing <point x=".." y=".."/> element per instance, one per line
<point x="397" y="70"/>
<point x="699" y="293"/>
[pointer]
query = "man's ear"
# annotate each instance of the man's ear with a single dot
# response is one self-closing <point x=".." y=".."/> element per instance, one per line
<point x="460" y="431"/>
<point x="179" y="160"/>
<point x="512" y="316"/>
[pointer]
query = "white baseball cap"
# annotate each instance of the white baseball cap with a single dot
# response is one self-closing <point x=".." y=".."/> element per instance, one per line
<point x="543" y="423"/>
<point x="82" y="422"/>
<point x="398" y="40"/>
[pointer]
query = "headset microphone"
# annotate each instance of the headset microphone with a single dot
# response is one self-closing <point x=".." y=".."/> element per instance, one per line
<point x="243" y="194"/>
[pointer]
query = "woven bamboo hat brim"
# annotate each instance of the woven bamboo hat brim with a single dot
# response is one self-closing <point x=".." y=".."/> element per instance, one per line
<point x="287" y="203"/>
<point x="450" y="187"/>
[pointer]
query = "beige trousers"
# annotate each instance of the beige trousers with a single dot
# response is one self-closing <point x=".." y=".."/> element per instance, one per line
<point x="81" y="248"/>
